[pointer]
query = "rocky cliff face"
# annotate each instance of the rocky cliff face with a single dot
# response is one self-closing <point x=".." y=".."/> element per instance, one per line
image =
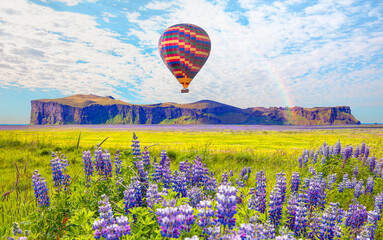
<point x="90" y="109"/>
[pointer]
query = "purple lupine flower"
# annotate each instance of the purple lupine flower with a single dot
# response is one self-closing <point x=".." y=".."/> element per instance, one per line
<point x="195" y="237"/>
<point x="275" y="211"/>
<point x="349" y="151"/>
<point x="332" y="151"/>
<point x="345" y="179"/>
<point x="281" y="182"/>
<point x="331" y="180"/>
<point x="285" y="234"/>
<point x="174" y="220"/>
<point x="185" y="168"/>
<point x="358" y="189"/>
<point x="136" y="151"/>
<point x="356" y="171"/>
<point x="367" y="151"/>
<point x="16" y="229"/>
<point x="328" y="221"/>
<point x="41" y="190"/>
<point x="214" y="232"/>
<point x="164" y="158"/>
<point x="179" y="184"/>
<point x="357" y="152"/>
<point x="305" y="160"/>
<point x="133" y="195"/>
<point x="292" y="211"/>
<point x="226" y="205"/>
<point x="314" y="193"/>
<point x="211" y="186"/>
<point x="322" y="200"/>
<point x="187" y="217"/>
<point x="57" y="171"/>
<point x="314" y="226"/>
<point x="98" y="158"/>
<point x="239" y="183"/>
<point x="247" y="231"/>
<point x="88" y="164"/>
<point x="261" y="192"/>
<point x="372" y="223"/>
<point x="306" y="182"/>
<point x="197" y="171"/>
<point x="105" y="210"/>
<point x="118" y="163"/>
<point x="301" y="219"/>
<point x="315" y="157"/>
<point x="338" y="232"/>
<point x="231" y="174"/>
<point x="312" y="170"/>
<point x="142" y="174"/>
<point x="378" y="171"/>
<point x="326" y="151"/>
<point x="363" y="147"/>
<point x="349" y="184"/>
<point x="354" y="182"/>
<point x="269" y="230"/>
<point x="195" y="196"/>
<point x="378" y="204"/>
<point x="323" y="160"/>
<point x="370" y="185"/>
<point x="295" y="182"/>
<point x="130" y="199"/>
<point x="146" y="156"/>
<point x="372" y="163"/>
<point x="106" y="167"/>
<point x="340" y="215"/>
<point x="157" y="173"/>
<point x="243" y="172"/>
<point x="167" y="177"/>
<point x="340" y="187"/>
<point x="356" y="217"/>
<point x="109" y="227"/>
<point x="152" y="195"/>
<point x="205" y="215"/>
<point x="338" y="148"/>
<point x="252" y="204"/>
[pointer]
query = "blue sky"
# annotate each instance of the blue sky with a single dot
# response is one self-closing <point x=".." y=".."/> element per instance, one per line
<point x="264" y="53"/>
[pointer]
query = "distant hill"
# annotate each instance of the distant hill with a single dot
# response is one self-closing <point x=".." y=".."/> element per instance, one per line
<point x="92" y="109"/>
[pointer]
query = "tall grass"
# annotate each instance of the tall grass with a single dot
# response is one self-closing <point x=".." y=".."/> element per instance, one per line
<point x="271" y="151"/>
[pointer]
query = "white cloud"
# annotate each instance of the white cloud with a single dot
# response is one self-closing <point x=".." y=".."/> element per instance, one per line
<point x="246" y="58"/>
<point x="73" y="2"/>
<point x="43" y="53"/>
<point x="316" y="53"/>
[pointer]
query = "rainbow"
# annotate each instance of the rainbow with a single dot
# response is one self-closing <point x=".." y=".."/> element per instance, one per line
<point x="286" y="97"/>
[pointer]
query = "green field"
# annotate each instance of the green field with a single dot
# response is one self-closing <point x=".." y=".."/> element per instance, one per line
<point x="22" y="151"/>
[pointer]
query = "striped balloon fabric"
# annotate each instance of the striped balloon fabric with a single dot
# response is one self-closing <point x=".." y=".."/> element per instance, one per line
<point x="184" y="48"/>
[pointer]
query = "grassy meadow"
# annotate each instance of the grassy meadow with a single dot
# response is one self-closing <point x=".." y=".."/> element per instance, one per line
<point x="24" y="150"/>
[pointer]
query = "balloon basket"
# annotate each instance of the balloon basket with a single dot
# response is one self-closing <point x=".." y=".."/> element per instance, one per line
<point x="185" y="90"/>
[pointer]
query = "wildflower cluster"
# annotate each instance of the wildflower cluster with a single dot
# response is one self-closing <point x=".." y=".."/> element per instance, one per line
<point x="40" y="189"/>
<point x="59" y="165"/>
<point x="108" y="226"/>
<point x="196" y="205"/>
<point x="175" y="220"/>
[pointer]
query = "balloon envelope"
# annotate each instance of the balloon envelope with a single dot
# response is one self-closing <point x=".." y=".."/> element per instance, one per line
<point x="184" y="48"/>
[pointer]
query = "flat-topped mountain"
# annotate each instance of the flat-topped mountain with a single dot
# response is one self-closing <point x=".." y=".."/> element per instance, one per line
<point x="92" y="109"/>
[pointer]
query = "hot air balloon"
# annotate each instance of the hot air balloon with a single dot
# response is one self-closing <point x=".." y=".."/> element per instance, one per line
<point x="184" y="48"/>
